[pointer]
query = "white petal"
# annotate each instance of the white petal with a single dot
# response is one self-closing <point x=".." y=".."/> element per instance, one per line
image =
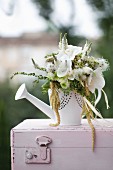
<point x="78" y="73"/>
<point x="98" y="97"/>
<point x="75" y="48"/>
<point x="60" y="54"/>
<point x="87" y="70"/>
<point x="106" y="99"/>
<point x="89" y="79"/>
<point x="72" y="51"/>
<point x="92" y="107"/>
<point x="97" y="82"/>
<point x="64" y="57"/>
<point x="62" y="69"/>
<point x="69" y="64"/>
<point x="62" y="72"/>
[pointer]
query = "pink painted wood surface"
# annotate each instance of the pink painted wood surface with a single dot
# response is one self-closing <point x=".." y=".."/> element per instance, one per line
<point x="70" y="147"/>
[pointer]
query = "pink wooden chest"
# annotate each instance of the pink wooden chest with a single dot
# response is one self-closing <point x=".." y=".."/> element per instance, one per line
<point x="37" y="146"/>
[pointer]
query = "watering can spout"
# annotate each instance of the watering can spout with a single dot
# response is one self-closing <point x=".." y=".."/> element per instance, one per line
<point x="23" y="93"/>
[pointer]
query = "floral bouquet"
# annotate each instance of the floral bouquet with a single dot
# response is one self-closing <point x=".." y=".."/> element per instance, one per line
<point x="71" y="68"/>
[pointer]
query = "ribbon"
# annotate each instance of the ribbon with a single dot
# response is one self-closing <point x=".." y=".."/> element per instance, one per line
<point x="105" y="123"/>
<point x="106" y="99"/>
<point x="99" y="97"/>
<point x="92" y="108"/>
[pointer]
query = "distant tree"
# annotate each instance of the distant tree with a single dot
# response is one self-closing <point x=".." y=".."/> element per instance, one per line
<point x="46" y="9"/>
<point x="105" y="8"/>
<point x="104" y="47"/>
<point x="12" y="113"/>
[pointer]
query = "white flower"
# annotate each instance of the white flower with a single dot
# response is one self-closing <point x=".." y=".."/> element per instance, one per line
<point x="69" y="53"/>
<point x="87" y="73"/>
<point x="78" y="73"/>
<point x="97" y="81"/>
<point x="103" y="64"/>
<point x="72" y="51"/>
<point x="50" y="67"/>
<point x="87" y="70"/>
<point x="63" y="68"/>
<point x="64" y="60"/>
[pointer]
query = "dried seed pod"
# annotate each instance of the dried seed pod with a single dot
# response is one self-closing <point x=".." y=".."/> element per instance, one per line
<point x="55" y="102"/>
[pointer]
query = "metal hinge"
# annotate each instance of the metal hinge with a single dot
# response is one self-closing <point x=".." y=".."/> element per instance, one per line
<point x="41" y="154"/>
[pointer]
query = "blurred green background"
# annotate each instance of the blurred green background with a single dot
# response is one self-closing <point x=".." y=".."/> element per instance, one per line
<point x="12" y="112"/>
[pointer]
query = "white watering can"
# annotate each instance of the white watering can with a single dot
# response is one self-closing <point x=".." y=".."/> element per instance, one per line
<point x="70" y="106"/>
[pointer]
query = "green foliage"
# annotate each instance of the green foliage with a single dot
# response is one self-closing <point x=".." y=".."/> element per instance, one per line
<point x="97" y="4"/>
<point x="13" y="112"/>
<point x="104" y="47"/>
<point x="44" y="7"/>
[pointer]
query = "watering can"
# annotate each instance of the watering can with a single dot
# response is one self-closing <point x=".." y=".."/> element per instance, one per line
<point x="70" y="106"/>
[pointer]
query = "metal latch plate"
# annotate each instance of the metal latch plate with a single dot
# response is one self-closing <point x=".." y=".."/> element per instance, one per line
<point x="32" y="156"/>
<point x="41" y="154"/>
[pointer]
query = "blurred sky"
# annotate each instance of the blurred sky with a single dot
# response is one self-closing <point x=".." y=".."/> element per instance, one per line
<point x="24" y="17"/>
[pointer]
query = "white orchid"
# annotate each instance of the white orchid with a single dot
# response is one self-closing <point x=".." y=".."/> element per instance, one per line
<point x="65" y="58"/>
<point x="69" y="53"/>
<point x="97" y="81"/>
